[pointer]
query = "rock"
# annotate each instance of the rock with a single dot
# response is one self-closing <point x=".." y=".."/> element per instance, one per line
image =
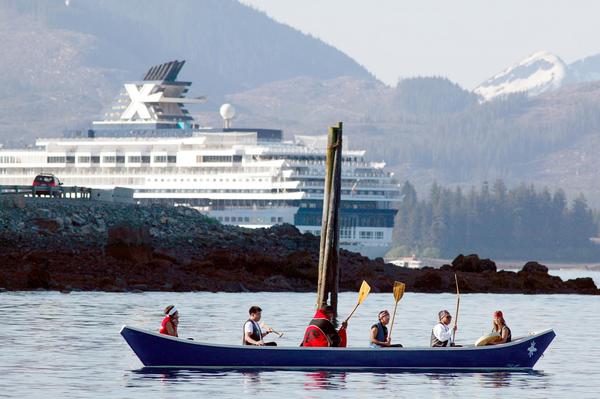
<point x="44" y="213"/>
<point x="38" y="277"/>
<point x="126" y="242"/>
<point x="534" y="267"/>
<point x="48" y="225"/>
<point x="77" y="220"/>
<point x="472" y="264"/>
<point x="430" y="281"/>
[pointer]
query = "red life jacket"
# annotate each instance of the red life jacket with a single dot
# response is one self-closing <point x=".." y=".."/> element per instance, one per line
<point x="163" y="326"/>
<point x="321" y="333"/>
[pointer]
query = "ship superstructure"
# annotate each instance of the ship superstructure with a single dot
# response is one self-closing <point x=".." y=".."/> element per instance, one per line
<point x="247" y="177"/>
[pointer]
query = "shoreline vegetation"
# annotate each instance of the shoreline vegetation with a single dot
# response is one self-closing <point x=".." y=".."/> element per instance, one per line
<point x="521" y="222"/>
<point x="67" y="245"/>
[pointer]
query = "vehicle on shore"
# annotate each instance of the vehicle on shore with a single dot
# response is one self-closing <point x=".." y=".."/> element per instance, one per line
<point x="46" y="184"/>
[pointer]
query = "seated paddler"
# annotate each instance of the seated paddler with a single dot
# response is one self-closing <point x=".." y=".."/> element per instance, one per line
<point x="170" y="322"/>
<point x="499" y="327"/>
<point x="379" y="332"/>
<point x="441" y="335"/>
<point x="321" y="331"/>
<point x="253" y="333"/>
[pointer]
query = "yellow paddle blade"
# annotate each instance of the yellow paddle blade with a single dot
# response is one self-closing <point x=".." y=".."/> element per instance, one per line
<point x="398" y="290"/>
<point x="364" y="291"/>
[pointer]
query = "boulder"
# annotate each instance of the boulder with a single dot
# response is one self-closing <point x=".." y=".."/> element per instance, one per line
<point x="534" y="267"/>
<point x="472" y="264"/>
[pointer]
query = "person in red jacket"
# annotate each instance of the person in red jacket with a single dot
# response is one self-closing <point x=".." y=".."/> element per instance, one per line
<point x="170" y="322"/>
<point x="321" y="332"/>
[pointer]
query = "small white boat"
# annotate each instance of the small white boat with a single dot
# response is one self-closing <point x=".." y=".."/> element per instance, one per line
<point x="408" y="261"/>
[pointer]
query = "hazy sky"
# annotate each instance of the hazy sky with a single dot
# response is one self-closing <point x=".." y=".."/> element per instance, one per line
<point x="464" y="40"/>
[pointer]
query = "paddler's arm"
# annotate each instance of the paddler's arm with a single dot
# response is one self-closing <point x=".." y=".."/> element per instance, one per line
<point x="342" y="335"/>
<point x="374" y="340"/>
<point x="171" y="329"/>
<point x="252" y="341"/>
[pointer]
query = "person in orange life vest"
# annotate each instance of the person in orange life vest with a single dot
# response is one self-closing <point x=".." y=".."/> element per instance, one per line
<point x="170" y="322"/>
<point x="321" y="332"/>
<point x="253" y="334"/>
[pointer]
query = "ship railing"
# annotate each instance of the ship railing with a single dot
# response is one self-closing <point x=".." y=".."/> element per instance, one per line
<point x="71" y="192"/>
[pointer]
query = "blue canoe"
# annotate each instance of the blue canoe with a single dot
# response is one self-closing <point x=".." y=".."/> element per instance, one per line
<point x="162" y="351"/>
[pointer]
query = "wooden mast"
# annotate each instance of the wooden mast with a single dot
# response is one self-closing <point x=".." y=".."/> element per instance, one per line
<point x="328" y="274"/>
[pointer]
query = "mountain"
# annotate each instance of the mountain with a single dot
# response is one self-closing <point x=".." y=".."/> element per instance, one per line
<point x="536" y="74"/>
<point x="539" y="73"/>
<point x="63" y="62"/>
<point x="586" y="70"/>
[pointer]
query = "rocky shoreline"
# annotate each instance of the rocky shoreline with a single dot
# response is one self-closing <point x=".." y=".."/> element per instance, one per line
<point x="67" y="245"/>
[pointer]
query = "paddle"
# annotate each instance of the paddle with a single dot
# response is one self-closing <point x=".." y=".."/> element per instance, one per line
<point x="398" y="293"/>
<point x="457" y="307"/>
<point x="362" y="294"/>
<point x="266" y="327"/>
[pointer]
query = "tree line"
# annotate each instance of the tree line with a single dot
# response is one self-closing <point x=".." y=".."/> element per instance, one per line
<point x="520" y="223"/>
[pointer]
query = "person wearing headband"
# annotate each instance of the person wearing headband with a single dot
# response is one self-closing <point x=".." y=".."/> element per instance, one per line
<point x="441" y="335"/>
<point x="170" y="322"/>
<point x="499" y="327"/>
<point x="379" y="331"/>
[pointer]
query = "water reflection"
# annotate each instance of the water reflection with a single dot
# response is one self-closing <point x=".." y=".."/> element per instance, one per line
<point x="325" y="380"/>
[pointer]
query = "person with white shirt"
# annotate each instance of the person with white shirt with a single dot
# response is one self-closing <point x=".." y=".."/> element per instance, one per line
<point x="441" y="335"/>
<point x="253" y="333"/>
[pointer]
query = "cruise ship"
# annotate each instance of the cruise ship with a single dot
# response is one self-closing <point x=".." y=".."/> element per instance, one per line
<point x="252" y="178"/>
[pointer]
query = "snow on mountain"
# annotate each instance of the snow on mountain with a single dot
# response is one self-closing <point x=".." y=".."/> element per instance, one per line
<point x="536" y="74"/>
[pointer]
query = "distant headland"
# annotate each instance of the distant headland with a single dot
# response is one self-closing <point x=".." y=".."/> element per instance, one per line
<point x="88" y="245"/>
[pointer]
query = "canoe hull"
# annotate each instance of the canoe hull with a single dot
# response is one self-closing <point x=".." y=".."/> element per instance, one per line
<point x="161" y="351"/>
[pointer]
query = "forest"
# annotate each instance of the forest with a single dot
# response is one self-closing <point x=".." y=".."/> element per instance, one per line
<point x="495" y="221"/>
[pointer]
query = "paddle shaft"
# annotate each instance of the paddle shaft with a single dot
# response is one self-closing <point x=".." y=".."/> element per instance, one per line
<point x="457" y="308"/>
<point x="393" y="317"/>
<point x="351" y="313"/>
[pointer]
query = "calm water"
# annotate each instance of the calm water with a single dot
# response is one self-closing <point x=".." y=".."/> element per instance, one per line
<point x="57" y="345"/>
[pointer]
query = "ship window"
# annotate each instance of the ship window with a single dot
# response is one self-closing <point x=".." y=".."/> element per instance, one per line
<point x="227" y="218"/>
<point x="379" y="235"/>
<point x="273" y="219"/>
<point x="366" y="235"/>
<point x="172" y="159"/>
<point x="246" y="219"/>
<point x="95" y="159"/>
<point x="108" y="159"/>
<point x="237" y="158"/>
<point x="160" y="158"/>
<point x="56" y="159"/>
<point x="135" y="159"/>
<point x="83" y="159"/>
<point x="216" y="158"/>
<point x="145" y="158"/>
<point x="70" y="159"/>
<point x="280" y="219"/>
<point x="120" y="159"/>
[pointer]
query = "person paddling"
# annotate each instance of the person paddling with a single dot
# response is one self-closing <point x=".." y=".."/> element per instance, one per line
<point x="379" y="332"/>
<point x="321" y="332"/>
<point x="441" y="334"/>
<point x="170" y="322"/>
<point x="499" y="327"/>
<point x="253" y="334"/>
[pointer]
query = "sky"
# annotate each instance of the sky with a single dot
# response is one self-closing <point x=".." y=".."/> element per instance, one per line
<point x="466" y="41"/>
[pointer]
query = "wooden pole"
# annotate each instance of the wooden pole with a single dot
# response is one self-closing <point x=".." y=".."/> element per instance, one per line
<point x="322" y="272"/>
<point x="328" y="274"/>
<point x="334" y="223"/>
